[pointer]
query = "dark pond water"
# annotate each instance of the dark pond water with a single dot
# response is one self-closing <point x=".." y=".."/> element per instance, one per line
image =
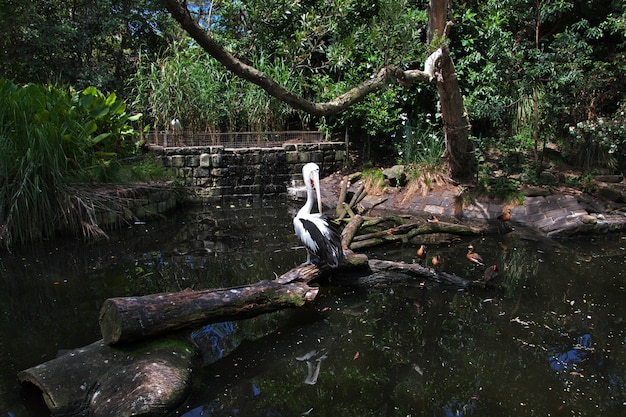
<point x="550" y="340"/>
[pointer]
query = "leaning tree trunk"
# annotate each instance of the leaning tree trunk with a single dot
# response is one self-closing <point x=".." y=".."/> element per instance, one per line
<point x="456" y="124"/>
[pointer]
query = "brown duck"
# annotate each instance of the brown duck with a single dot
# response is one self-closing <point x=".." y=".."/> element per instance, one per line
<point x="505" y="216"/>
<point x="437" y="261"/>
<point x="474" y="257"/>
<point x="490" y="273"/>
<point x="421" y="252"/>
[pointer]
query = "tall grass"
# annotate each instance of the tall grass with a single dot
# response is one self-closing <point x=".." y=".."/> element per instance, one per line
<point x="38" y="138"/>
<point x="423" y="152"/>
<point x="188" y="84"/>
<point x="51" y="137"/>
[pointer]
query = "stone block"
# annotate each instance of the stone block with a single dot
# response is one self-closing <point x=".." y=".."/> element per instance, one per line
<point x="305" y="157"/>
<point x="178" y="161"/>
<point x="292" y="157"/>
<point x="201" y="172"/>
<point x="192" y="161"/>
<point x="310" y="147"/>
<point x="216" y="149"/>
<point x="217" y="159"/>
<point x="205" y="160"/>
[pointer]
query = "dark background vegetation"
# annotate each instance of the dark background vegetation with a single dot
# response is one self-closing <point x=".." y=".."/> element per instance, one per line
<point x="543" y="83"/>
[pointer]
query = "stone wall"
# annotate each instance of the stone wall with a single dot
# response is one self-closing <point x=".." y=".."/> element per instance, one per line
<point x="125" y="205"/>
<point x="222" y="175"/>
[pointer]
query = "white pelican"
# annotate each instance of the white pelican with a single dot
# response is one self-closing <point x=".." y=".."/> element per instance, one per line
<point x="318" y="235"/>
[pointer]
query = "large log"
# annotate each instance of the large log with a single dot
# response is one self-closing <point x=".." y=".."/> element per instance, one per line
<point x="125" y="319"/>
<point x="103" y="381"/>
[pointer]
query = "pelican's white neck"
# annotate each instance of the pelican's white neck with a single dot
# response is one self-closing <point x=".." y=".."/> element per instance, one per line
<point x="310" y="197"/>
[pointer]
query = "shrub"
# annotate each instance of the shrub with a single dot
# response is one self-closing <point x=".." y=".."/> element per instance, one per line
<point x="52" y="136"/>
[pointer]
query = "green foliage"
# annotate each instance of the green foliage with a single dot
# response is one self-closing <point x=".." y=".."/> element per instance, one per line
<point x="79" y="43"/>
<point x="507" y="189"/>
<point x="531" y="67"/>
<point x="374" y="180"/>
<point x="40" y="136"/>
<point x="599" y="142"/>
<point x="109" y="126"/>
<point x="423" y="147"/>
<point x="188" y="84"/>
<point x="583" y="183"/>
<point x="51" y="137"/>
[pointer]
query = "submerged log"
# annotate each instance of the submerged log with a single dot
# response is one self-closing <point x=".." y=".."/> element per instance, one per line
<point x="390" y="271"/>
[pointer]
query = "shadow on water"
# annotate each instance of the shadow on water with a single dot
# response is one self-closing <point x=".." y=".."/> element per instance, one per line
<point x="547" y="339"/>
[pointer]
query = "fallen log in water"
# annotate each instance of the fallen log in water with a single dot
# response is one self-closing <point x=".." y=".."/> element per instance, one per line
<point x="103" y="381"/>
<point x="125" y="319"/>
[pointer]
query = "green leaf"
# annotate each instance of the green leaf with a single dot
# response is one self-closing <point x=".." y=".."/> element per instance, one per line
<point x="90" y="127"/>
<point x="110" y="99"/>
<point x="86" y="101"/>
<point x="100" y="137"/>
<point x="99" y="112"/>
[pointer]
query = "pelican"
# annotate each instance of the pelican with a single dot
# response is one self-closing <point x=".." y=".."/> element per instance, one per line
<point x="318" y="235"/>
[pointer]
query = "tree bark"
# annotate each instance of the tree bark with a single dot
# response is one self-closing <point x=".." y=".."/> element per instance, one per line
<point x="456" y="125"/>
<point x="126" y="319"/>
<point x="102" y="381"/>
<point x="437" y="12"/>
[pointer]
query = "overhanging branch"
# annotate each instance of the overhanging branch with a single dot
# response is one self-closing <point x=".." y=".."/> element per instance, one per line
<point x="378" y="82"/>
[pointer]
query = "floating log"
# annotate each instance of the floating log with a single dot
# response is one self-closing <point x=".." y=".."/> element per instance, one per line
<point x="102" y="381"/>
<point x="125" y="319"/>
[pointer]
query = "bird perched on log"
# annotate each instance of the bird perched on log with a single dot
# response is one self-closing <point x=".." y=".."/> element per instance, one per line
<point x="318" y="235"/>
<point x="421" y="252"/>
<point x="490" y="274"/>
<point x="437" y="261"/>
<point x="474" y="257"/>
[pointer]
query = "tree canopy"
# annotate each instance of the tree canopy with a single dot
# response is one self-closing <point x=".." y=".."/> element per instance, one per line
<point x="531" y="72"/>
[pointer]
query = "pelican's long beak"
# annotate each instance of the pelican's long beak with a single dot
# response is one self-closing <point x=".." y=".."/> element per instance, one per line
<point x="315" y="182"/>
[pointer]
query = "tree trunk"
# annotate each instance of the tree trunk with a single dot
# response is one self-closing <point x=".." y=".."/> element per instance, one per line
<point x="437" y="12"/>
<point x="456" y="125"/>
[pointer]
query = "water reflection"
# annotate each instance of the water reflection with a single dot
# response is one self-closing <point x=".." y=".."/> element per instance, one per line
<point x="547" y="339"/>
